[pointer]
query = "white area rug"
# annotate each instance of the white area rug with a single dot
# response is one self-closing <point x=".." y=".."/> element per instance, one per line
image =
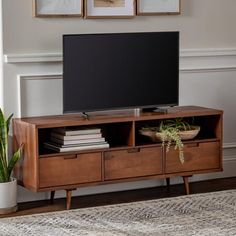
<point x="198" y="214"/>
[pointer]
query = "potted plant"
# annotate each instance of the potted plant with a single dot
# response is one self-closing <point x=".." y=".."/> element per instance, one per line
<point x="172" y="131"/>
<point x="8" y="185"/>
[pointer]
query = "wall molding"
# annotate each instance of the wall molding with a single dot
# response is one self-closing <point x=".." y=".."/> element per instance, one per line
<point x="33" y="57"/>
<point x="207" y="60"/>
<point x="210" y="52"/>
<point x="191" y="60"/>
<point x="57" y="56"/>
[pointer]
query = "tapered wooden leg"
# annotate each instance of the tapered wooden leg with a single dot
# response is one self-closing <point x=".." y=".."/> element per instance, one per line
<point x="168" y="182"/>
<point x="68" y="198"/>
<point x="186" y="184"/>
<point x="52" y="197"/>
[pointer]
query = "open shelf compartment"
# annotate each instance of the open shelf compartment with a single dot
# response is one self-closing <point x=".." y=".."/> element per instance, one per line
<point x="115" y="134"/>
<point x="209" y="128"/>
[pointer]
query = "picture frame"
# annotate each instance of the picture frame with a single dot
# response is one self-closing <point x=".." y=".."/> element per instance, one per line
<point x="158" y="7"/>
<point x="58" y="8"/>
<point x="102" y="9"/>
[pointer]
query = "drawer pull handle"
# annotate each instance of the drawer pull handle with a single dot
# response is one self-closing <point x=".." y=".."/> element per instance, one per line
<point x="108" y="156"/>
<point x="193" y="145"/>
<point x="133" y="150"/>
<point x="70" y="157"/>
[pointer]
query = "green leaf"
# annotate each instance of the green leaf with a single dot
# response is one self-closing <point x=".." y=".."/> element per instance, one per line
<point x="3" y="124"/>
<point x="3" y="177"/>
<point x="16" y="156"/>
<point x="3" y="133"/>
<point x="8" y="122"/>
<point x="3" y="158"/>
<point x="5" y="167"/>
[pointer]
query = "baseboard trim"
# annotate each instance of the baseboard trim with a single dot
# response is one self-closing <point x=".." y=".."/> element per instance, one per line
<point x="229" y="145"/>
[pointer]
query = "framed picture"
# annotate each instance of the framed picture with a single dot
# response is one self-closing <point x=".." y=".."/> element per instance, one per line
<point x="158" y="7"/>
<point x="56" y="8"/>
<point x="109" y="8"/>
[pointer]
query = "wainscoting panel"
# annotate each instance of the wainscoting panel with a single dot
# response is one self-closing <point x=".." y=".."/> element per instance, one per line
<point x="212" y="89"/>
<point x="39" y="95"/>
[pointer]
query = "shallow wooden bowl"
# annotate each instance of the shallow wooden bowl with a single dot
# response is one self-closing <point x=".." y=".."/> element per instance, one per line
<point x="151" y="134"/>
<point x="189" y="134"/>
<point x="184" y="135"/>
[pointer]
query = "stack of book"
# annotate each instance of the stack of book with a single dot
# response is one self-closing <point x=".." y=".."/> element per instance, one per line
<point x="76" y="139"/>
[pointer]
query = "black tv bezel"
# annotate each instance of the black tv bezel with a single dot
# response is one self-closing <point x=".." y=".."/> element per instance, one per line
<point x="123" y="107"/>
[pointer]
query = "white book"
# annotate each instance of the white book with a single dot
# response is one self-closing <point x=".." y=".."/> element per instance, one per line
<point x="79" y="141"/>
<point x="58" y="148"/>
<point x="75" y="137"/>
<point x="78" y="145"/>
<point x="77" y="130"/>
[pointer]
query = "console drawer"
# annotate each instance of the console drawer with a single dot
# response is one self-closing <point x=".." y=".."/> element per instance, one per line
<point x="133" y="163"/>
<point x="70" y="169"/>
<point x="197" y="156"/>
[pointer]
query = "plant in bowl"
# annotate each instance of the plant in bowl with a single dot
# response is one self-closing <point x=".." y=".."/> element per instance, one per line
<point x="8" y="185"/>
<point x="172" y="131"/>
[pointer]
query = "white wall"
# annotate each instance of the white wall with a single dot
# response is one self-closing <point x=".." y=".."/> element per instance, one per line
<point x="1" y="60"/>
<point x="33" y="67"/>
<point x="203" y="24"/>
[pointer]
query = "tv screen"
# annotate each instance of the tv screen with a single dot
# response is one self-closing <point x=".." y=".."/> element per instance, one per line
<point x="120" y="70"/>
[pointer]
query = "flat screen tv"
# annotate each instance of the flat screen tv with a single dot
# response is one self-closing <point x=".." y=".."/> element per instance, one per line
<point x="120" y="70"/>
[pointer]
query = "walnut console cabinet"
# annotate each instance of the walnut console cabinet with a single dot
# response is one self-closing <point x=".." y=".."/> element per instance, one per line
<point x="130" y="157"/>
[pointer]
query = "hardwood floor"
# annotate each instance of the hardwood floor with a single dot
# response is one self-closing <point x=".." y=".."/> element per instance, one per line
<point x="124" y="196"/>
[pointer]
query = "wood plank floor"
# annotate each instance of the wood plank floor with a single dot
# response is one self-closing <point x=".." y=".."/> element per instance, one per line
<point x="124" y="196"/>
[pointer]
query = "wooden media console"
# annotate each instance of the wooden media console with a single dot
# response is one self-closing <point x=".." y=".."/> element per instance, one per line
<point x="130" y="156"/>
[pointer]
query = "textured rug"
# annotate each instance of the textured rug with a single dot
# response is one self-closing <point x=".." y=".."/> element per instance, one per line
<point x="198" y="214"/>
